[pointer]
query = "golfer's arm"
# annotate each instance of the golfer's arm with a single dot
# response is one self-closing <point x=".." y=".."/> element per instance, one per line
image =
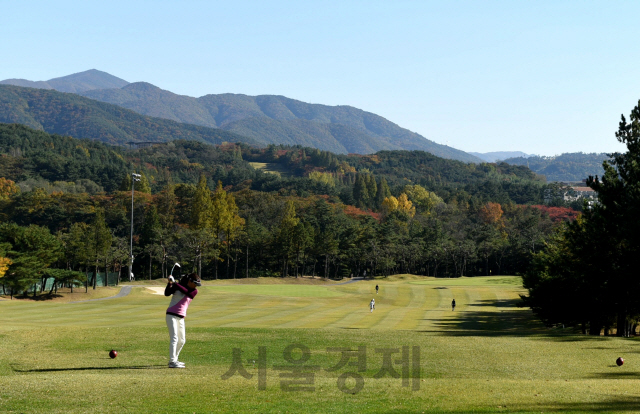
<point x="186" y="291"/>
<point x="170" y="289"/>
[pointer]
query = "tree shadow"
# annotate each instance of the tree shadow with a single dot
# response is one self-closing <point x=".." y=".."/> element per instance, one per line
<point x="506" y="320"/>
<point x="39" y="298"/>
<point x="616" y="375"/>
<point x="615" y="403"/>
<point x="89" y="368"/>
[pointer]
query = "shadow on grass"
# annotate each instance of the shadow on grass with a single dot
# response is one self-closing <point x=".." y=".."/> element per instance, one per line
<point x="505" y="320"/>
<point x="39" y="298"/>
<point x="616" y="375"/>
<point x="615" y="403"/>
<point x="89" y="368"/>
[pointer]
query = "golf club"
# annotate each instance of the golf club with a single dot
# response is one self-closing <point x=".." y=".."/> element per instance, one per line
<point x="174" y="266"/>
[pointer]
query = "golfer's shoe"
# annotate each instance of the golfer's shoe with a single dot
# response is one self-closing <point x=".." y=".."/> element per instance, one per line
<point x="180" y="363"/>
<point x="176" y="365"/>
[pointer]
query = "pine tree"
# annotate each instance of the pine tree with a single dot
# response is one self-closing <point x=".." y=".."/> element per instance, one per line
<point x="125" y="185"/>
<point x="372" y="188"/>
<point x="99" y="242"/>
<point x="360" y="191"/>
<point x="383" y="192"/>
<point x="143" y="185"/>
<point x="286" y="232"/>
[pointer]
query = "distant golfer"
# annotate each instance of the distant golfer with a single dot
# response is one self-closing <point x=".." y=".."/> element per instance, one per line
<point x="372" y="305"/>
<point x="183" y="293"/>
<point x="453" y="305"/>
<point x="376" y="289"/>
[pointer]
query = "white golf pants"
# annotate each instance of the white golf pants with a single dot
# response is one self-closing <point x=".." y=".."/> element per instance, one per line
<point x="176" y="336"/>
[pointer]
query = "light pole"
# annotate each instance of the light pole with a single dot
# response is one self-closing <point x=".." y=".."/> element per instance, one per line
<point x="134" y="177"/>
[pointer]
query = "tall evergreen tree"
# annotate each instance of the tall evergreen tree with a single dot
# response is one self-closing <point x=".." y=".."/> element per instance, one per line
<point x="361" y="191"/>
<point x="99" y="243"/>
<point x="382" y="192"/>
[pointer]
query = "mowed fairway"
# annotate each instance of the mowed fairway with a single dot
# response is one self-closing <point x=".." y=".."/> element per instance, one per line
<point x="486" y="356"/>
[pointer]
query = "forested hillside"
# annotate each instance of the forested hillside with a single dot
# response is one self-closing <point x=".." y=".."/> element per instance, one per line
<point x="569" y="167"/>
<point x="278" y="120"/>
<point x="234" y="210"/>
<point x="266" y="119"/>
<point x="80" y="117"/>
<point x="35" y="154"/>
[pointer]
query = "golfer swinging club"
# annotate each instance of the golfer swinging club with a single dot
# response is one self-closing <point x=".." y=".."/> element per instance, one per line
<point x="183" y="293"/>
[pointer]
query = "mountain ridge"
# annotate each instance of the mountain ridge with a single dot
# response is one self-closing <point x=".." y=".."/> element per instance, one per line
<point x="74" y="115"/>
<point x="495" y="156"/>
<point x="267" y="119"/>
<point x="74" y="83"/>
<point x="226" y="110"/>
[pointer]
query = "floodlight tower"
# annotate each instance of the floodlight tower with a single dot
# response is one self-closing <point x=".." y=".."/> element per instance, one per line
<point x="134" y="177"/>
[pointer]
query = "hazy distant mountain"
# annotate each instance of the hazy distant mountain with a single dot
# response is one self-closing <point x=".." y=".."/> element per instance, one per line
<point x="76" y="83"/>
<point x="499" y="155"/>
<point x="267" y="119"/>
<point x="80" y="117"/>
<point x="277" y="119"/>
<point x="569" y="167"/>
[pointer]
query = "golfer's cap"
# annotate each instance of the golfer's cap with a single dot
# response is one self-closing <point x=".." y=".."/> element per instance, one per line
<point x="195" y="279"/>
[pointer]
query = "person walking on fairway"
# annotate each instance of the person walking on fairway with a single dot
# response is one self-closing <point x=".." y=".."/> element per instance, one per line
<point x="372" y="305"/>
<point x="183" y="293"/>
<point x="453" y="305"/>
<point x="376" y="289"/>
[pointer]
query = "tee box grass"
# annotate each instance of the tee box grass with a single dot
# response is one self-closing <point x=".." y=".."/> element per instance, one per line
<point x="306" y="345"/>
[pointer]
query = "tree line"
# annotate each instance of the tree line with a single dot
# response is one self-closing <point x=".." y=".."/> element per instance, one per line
<point x="208" y="208"/>
<point x="586" y="276"/>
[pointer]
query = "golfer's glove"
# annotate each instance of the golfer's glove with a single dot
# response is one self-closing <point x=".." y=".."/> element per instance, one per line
<point x="171" y="279"/>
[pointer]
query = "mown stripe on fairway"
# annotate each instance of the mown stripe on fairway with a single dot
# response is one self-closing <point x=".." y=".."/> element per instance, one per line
<point x="350" y="315"/>
<point x="315" y="316"/>
<point x="211" y="310"/>
<point x="389" y="314"/>
<point x="389" y="308"/>
<point x="431" y="303"/>
<point x="255" y="307"/>
<point x="472" y="298"/>
<point x="433" y="316"/>
<point x="415" y="309"/>
<point x="278" y="290"/>
<point x="327" y="317"/>
<point x="289" y="312"/>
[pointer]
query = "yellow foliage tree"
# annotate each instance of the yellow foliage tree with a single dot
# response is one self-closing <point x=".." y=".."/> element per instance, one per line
<point x="389" y="205"/>
<point x="5" y="262"/>
<point x="7" y="188"/>
<point x="422" y="198"/>
<point x="406" y="206"/>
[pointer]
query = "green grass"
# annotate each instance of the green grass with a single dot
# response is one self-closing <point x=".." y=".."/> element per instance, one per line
<point x="271" y="168"/>
<point x="278" y="290"/>
<point x="487" y="356"/>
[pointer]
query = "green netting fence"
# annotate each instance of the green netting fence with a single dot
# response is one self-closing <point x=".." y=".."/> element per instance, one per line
<point x="112" y="279"/>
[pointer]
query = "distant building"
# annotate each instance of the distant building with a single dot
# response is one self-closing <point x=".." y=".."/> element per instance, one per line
<point x="570" y="193"/>
<point x="581" y="192"/>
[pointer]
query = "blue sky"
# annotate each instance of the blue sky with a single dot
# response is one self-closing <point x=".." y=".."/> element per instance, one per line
<point x="543" y="77"/>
